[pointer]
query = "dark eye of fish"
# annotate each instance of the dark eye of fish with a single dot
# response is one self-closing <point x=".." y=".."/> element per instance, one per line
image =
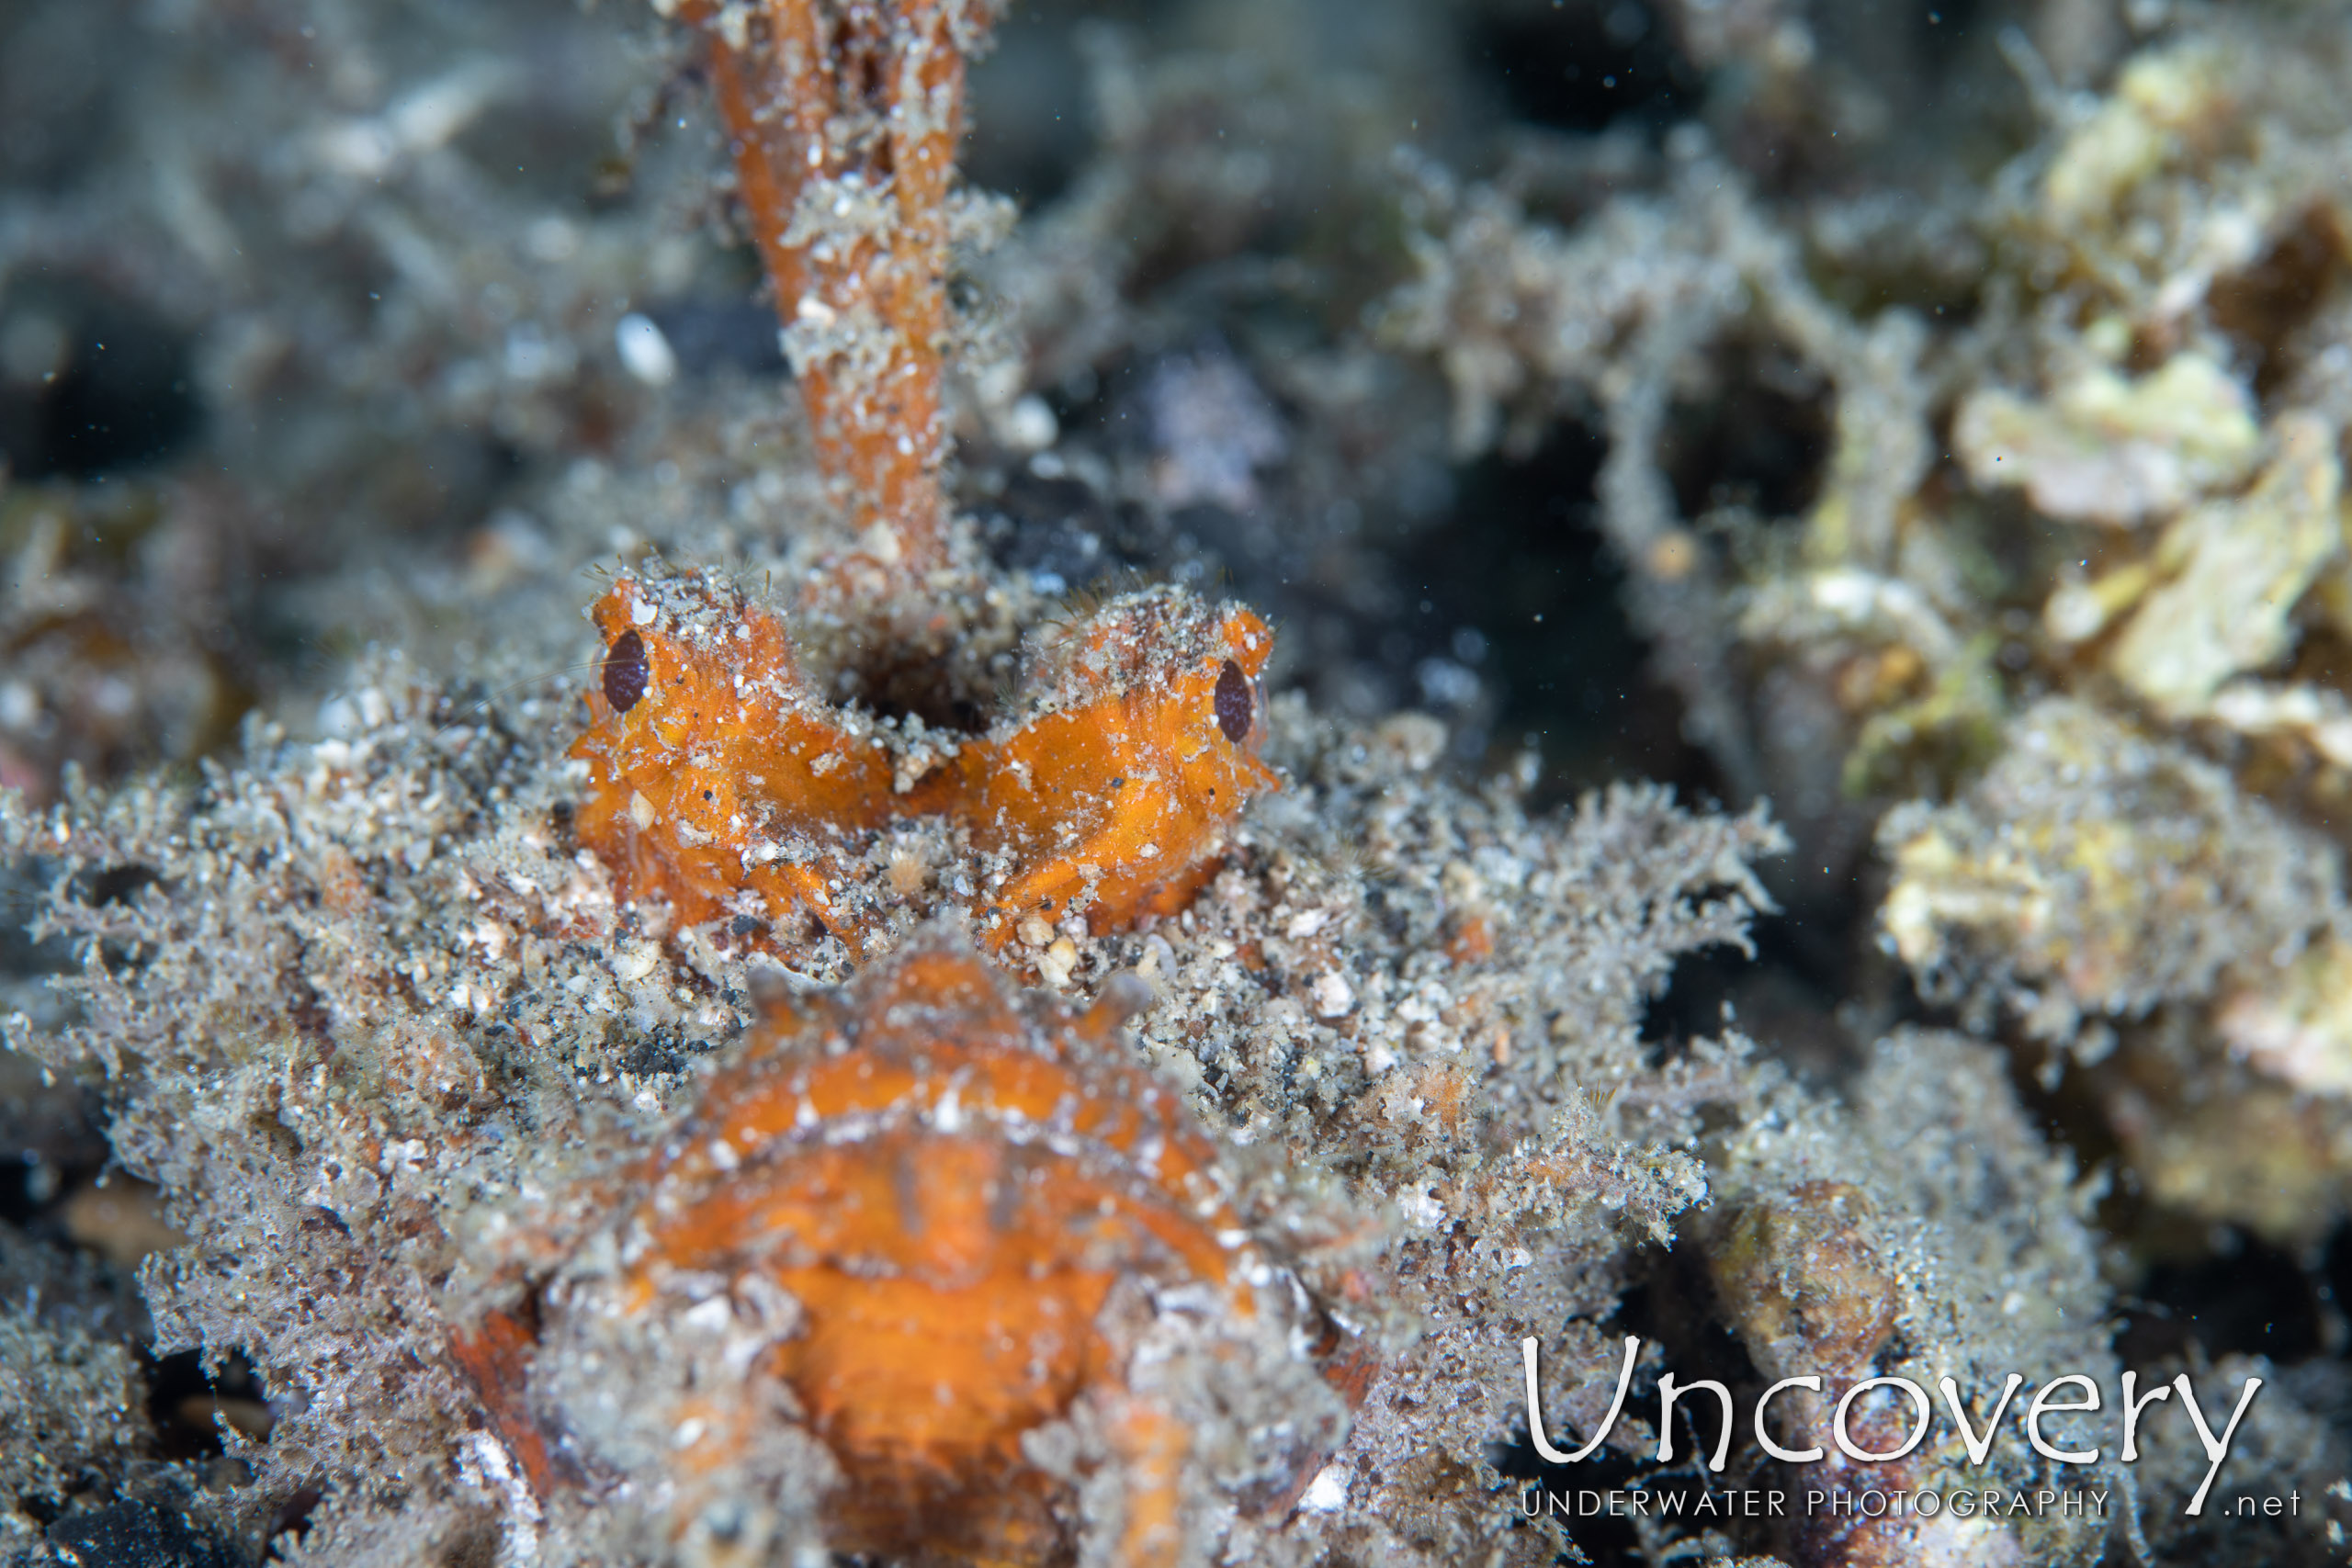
<point x="1232" y="703"/>
<point x="624" y="674"/>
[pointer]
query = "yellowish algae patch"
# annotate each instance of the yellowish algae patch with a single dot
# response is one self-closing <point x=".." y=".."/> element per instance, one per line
<point x="2232" y="574"/>
<point x="2165" y="102"/>
<point x="2097" y="872"/>
<point x="2106" y="448"/>
<point x="2300" y="1029"/>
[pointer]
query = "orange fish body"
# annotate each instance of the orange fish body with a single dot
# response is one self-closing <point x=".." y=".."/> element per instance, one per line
<point x="949" y="1184"/>
<point x="916" y="1228"/>
<point x="1115" y="795"/>
<point x="718" y="780"/>
<point x="723" y="774"/>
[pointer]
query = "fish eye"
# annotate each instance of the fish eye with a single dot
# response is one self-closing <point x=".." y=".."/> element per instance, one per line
<point x="1235" y="706"/>
<point x="626" y="673"/>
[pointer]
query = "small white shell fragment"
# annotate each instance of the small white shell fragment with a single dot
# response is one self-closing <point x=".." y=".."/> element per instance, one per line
<point x="714" y="1315"/>
<point x="1029" y="426"/>
<point x="1333" y="997"/>
<point x="1417" y="1205"/>
<point x="1326" y="1494"/>
<point x="1056" y="963"/>
<point x="645" y="353"/>
<point x="880" y="540"/>
<point x="338" y="718"/>
<point x="640" y="811"/>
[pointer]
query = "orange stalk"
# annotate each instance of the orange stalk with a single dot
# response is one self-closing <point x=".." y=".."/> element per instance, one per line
<point x="844" y="117"/>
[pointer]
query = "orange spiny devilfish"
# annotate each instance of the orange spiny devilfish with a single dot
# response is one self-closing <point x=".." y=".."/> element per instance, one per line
<point x="983" y="1218"/>
<point x="720" y="780"/>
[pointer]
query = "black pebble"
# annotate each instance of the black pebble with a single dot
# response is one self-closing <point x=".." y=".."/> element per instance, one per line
<point x="136" y="1535"/>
